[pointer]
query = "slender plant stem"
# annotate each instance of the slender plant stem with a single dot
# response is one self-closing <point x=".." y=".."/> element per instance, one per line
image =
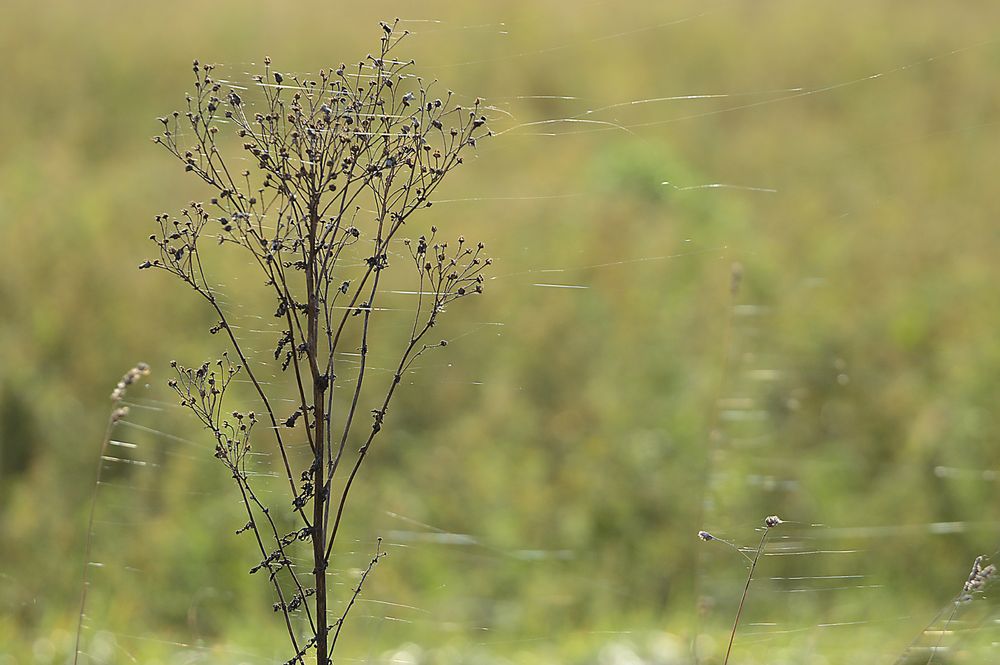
<point x="357" y="592"/>
<point x="90" y="533"/>
<point x="746" y="590"/>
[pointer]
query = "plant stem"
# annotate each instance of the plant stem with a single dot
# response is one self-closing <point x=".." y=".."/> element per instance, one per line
<point x="746" y="590"/>
<point x="90" y="534"/>
<point x="320" y="493"/>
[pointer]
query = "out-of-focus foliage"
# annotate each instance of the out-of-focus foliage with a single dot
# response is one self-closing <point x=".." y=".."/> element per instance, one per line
<point x="851" y="382"/>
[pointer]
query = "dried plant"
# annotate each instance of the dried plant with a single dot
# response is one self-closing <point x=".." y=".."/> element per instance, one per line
<point x="117" y="413"/>
<point x="338" y="165"/>
<point x="770" y="522"/>
<point x="981" y="575"/>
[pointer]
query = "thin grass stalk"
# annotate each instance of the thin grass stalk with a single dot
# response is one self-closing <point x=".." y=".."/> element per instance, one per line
<point x="746" y="590"/>
<point x="117" y="413"/>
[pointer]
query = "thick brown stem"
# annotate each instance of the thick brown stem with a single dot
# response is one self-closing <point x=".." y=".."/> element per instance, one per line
<point x="318" y="542"/>
<point x="320" y="492"/>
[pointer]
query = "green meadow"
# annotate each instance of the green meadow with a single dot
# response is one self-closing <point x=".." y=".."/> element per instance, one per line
<point x="746" y="264"/>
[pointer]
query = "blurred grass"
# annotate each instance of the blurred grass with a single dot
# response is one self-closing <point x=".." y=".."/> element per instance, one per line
<point x="875" y="261"/>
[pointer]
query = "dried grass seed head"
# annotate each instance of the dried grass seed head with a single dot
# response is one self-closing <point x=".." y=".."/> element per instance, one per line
<point x="140" y="370"/>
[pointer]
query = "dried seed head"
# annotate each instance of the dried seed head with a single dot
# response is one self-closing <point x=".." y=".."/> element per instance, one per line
<point x="130" y="377"/>
<point x="978" y="579"/>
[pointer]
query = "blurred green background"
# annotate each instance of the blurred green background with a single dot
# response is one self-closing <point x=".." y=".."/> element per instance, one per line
<point x="850" y="385"/>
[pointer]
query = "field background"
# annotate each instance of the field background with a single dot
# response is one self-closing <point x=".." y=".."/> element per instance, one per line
<point x="544" y="482"/>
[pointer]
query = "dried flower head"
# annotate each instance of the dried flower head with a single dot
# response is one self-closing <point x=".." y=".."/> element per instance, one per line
<point x="978" y="579"/>
<point x="130" y="377"/>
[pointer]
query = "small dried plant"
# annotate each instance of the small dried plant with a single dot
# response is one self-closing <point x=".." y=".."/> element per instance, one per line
<point x="336" y="166"/>
<point x="118" y="412"/>
<point x="981" y="575"/>
<point x="770" y="522"/>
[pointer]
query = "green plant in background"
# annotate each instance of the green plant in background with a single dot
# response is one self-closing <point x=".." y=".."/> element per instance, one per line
<point x="338" y="165"/>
